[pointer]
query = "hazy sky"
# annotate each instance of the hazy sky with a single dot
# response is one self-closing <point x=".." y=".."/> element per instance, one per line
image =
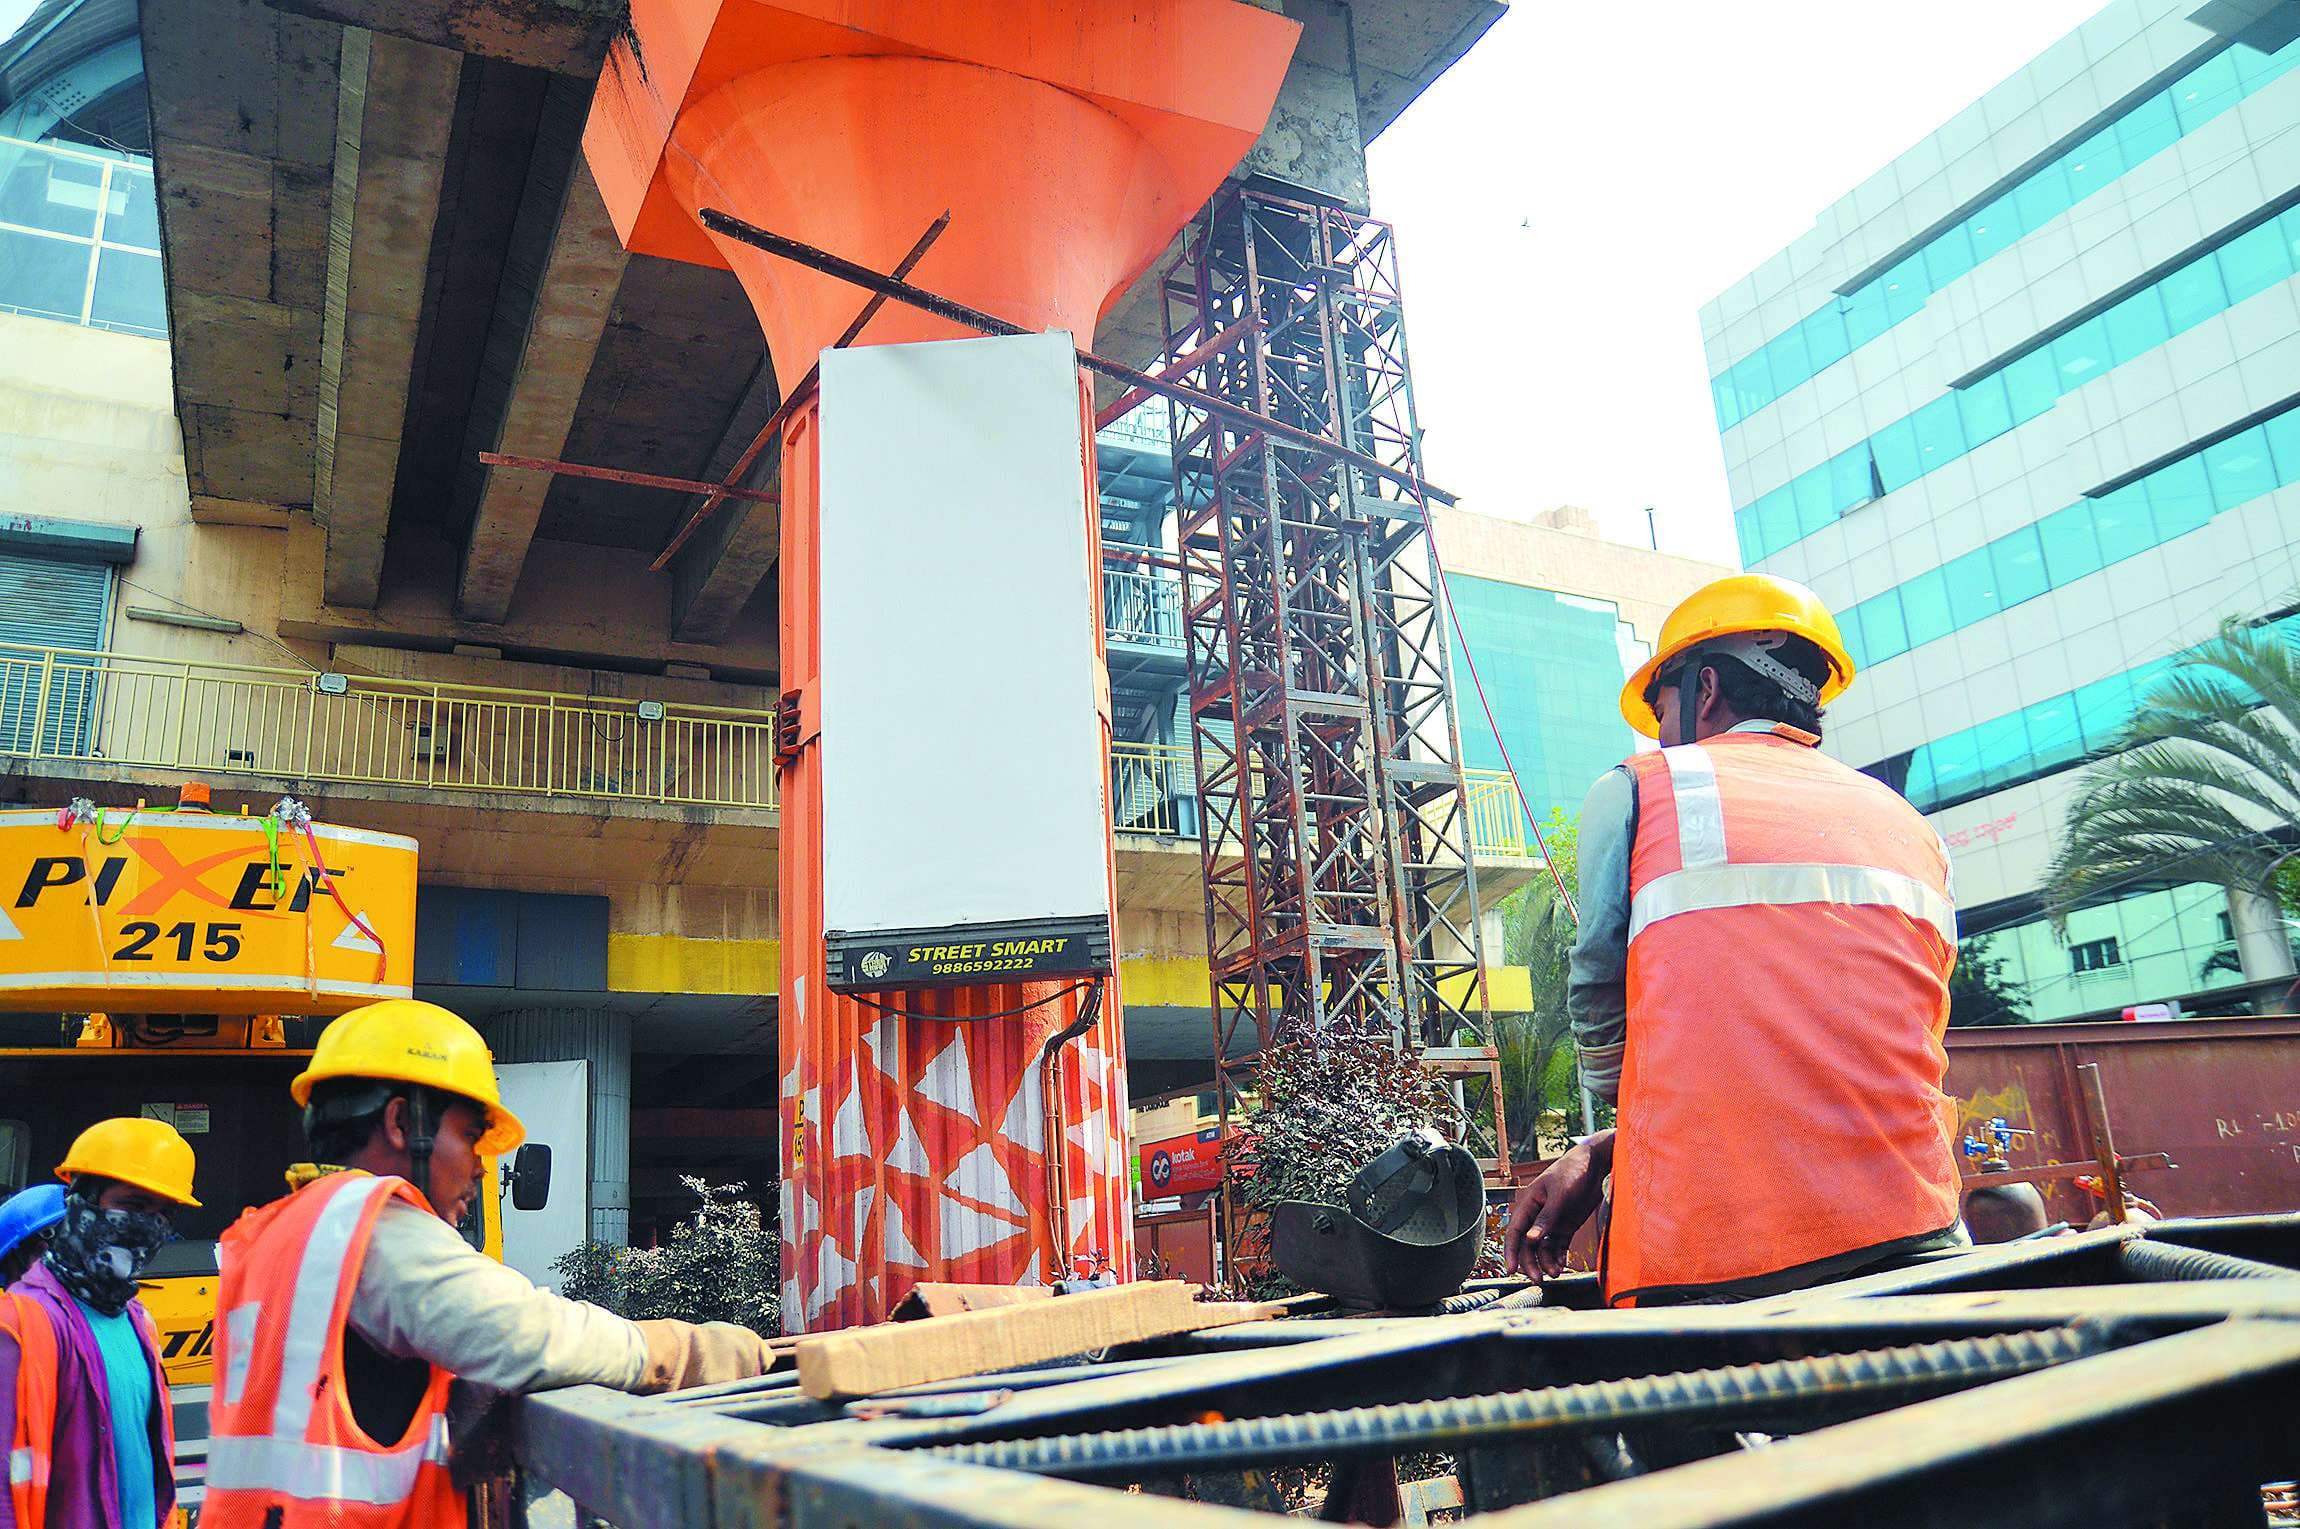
<point x="1570" y="194"/>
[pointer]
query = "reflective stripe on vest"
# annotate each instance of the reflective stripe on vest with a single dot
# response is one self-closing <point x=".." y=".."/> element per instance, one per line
<point x="323" y="1472"/>
<point x="1791" y="933"/>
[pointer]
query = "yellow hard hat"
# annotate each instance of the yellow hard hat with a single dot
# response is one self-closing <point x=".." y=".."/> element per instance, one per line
<point x="405" y="1040"/>
<point x="1745" y="602"/>
<point x="146" y="1153"/>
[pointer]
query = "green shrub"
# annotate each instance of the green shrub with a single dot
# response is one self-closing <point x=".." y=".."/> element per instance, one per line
<point x="720" y="1265"/>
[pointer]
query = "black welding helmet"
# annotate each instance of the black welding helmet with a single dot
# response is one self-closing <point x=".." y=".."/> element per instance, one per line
<point x="1405" y="1236"/>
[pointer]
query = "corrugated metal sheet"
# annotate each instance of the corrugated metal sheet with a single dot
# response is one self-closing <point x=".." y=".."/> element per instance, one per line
<point x="49" y="604"/>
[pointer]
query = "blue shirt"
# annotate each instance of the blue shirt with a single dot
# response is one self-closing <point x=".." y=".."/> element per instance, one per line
<point x="128" y="1378"/>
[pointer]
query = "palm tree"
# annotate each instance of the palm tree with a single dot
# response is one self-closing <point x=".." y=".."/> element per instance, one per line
<point x="2205" y="785"/>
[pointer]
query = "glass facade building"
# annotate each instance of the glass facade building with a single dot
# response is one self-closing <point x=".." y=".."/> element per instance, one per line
<point x="2024" y="408"/>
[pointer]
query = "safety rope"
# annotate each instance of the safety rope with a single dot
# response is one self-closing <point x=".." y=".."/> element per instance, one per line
<point x="296" y="815"/>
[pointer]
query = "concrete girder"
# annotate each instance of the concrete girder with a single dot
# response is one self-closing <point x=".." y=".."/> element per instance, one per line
<point x="395" y="108"/>
<point x="242" y="128"/>
<point x="564" y="36"/>
<point x="567" y="263"/>
<point x="718" y="572"/>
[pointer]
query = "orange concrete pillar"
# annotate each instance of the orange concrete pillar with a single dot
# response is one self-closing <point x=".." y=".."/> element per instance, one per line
<point x="1069" y="140"/>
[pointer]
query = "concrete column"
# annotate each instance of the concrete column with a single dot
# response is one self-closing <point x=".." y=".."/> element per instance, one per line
<point x="602" y="1038"/>
<point x="2262" y="945"/>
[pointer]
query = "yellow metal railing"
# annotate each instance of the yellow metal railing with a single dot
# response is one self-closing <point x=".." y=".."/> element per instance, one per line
<point x="292" y="724"/>
<point x="239" y="719"/>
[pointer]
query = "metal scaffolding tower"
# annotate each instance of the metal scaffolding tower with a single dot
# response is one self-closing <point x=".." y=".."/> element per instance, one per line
<point x="1340" y="891"/>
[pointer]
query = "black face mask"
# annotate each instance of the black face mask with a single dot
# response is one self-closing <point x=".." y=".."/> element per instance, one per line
<point x="97" y="1254"/>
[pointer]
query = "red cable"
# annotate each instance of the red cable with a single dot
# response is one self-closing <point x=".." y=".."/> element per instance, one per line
<point x="1445" y="591"/>
<point x="319" y="864"/>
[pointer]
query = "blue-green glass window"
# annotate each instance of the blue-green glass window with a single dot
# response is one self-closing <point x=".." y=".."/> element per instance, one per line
<point x="2148" y="128"/>
<point x="1777" y="518"/>
<point x="2179" y="498"/>
<point x="1895" y="448"/>
<point x="1993" y="227"/>
<point x="2017" y="559"/>
<point x="1721" y="395"/>
<point x="2253" y="261"/>
<point x="2093" y="163"/>
<point x="1745" y="532"/>
<point x="1922" y="787"/>
<point x="2206" y="91"/>
<point x="1864" y="313"/>
<point x="1956" y="762"/>
<point x="2283" y="436"/>
<point x="2043" y="196"/>
<point x="1948" y="256"/>
<point x="2120" y="519"/>
<point x="1785" y="359"/>
<point x="1850" y="627"/>
<point x="2256" y="67"/>
<point x="2240" y="469"/>
<point x="2192" y="294"/>
<point x="1852" y="478"/>
<point x="1905" y="290"/>
<point x="2032" y="385"/>
<point x="1925" y="604"/>
<point x="2081" y="354"/>
<point x="2071" y="546"/>
<point x="2103" y="708"/>
<point x="1984" y="409"/>
<point x="1940" y="433"/>
<point x="2054" y="738"/>
<point x="1883" y="626"/>
<point x="2000" y="749"/>
<point x="1810" y="491"/>
<point x="1972" y="584"/>
<point x="2136" y="325"/>
<point x="1825" y="343"/>
<point x="2288" y="224"/>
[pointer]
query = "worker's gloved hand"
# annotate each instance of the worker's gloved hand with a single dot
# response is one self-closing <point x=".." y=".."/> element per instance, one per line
<point x="1547" y="1212"/>
<point x="683" y="1354"/>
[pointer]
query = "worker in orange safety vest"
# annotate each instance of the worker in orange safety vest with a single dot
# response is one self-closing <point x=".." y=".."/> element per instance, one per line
<point x="1760" y="980"/>
<point x="346" y="1309"/>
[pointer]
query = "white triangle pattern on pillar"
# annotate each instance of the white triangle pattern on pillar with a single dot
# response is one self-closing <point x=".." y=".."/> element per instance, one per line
<point x="1082" y="1223"/>
<point x="981" y="1176"/>
<point x="834" y="1273"/>
<point x="1036" y="1273"/>
<point x="850" y="1136"/>
<point x="949" y="1082"/>
<point x="1025" y="1122"/>
<point x="1087" y="1137"/>
<point x="879" y="1041"/>
<point x="965" y="1229"/>
<point x="908" y="1155"/>
<point x="863" y="1198"/>
<point x="897" y="1247"/>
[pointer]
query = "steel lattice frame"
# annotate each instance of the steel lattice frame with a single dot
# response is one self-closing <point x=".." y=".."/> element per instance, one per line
<point x="1340" y="891"/>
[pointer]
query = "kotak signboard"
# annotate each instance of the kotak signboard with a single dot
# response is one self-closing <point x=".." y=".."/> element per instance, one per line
<point x="195" y="915"/>
<point x="1182" y="1165"/>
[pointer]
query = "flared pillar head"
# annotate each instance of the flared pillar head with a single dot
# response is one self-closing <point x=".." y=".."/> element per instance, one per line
<point x="1068" y="139"/>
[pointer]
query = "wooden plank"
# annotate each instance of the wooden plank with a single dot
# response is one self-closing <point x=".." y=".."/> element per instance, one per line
<point x="881" y="1358"/>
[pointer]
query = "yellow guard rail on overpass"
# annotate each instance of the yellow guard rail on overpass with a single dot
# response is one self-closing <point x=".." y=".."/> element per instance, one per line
<point x="217" y="719"/>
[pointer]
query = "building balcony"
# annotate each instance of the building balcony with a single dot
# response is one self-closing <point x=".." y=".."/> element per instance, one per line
<point x="1141" y="607"/>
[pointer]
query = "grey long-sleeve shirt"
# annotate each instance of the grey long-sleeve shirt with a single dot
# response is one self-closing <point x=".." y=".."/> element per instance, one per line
<point x="1597" y="977"/>
<point x="425" y="1293"/>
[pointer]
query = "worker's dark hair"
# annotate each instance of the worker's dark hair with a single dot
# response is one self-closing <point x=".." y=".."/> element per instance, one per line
<point x="344" y="1114"/>
<point x="1753" y="695"/>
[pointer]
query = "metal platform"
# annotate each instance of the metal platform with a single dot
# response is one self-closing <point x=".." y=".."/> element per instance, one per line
<point x="2134" y="1375"/>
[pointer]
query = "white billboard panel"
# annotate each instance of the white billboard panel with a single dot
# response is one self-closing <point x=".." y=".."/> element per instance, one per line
<point x="962" y="761"/>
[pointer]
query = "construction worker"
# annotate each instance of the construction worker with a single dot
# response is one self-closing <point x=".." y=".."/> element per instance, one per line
<point x="347" y="1307"/>
<point x="1760" y="980"/>
<point x="88" y="1410"/>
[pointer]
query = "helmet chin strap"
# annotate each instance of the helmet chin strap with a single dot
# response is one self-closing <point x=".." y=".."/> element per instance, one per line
<point x="422" y="1133"/>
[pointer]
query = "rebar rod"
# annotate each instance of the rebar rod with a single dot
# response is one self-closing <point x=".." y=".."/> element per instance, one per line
<point x="2147" y="1260"/>
<point x="1707" y="1395"/>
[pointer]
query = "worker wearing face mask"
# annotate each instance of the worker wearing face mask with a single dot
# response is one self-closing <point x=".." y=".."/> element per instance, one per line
<point x="1764" y="950"/>
<point x="87" y="1413"/>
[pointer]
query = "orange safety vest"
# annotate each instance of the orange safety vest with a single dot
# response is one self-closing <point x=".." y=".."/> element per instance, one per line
<point x="29" y="1452"/>
<point x="282" y="1435"/>
<point x="1791" y="934"/>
